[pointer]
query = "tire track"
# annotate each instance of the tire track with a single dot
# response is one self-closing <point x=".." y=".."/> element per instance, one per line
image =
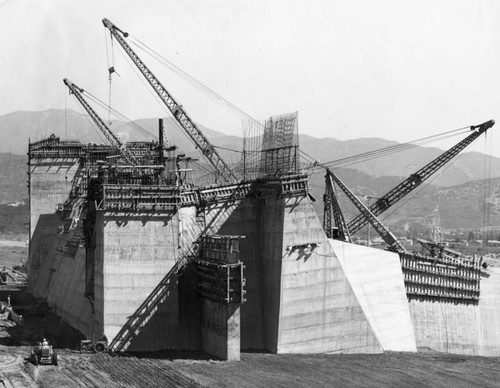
<point x="12" y="374"/>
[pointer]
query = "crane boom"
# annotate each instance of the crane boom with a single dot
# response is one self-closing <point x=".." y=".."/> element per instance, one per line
<point x="333" y="213"/>
<point x="110" y="136"/>
<point x="416" y="179"/>
<point x="384" y="232"/>
<point x="178" y="112"/>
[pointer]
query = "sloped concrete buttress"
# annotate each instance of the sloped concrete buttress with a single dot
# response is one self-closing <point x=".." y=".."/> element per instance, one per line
<point x="377" y="280"/>
<point x="319" y="311"/>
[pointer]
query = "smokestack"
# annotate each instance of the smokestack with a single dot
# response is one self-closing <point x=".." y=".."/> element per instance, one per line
<point x="161" y="137"/>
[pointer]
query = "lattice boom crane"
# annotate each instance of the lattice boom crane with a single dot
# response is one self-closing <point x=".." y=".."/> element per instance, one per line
<point x="332" y="214"/>
<point x="178" y="112"/>
<point x="110" y="136"/>
<point x="416" y="179"/>
<point x="384" y="232"/>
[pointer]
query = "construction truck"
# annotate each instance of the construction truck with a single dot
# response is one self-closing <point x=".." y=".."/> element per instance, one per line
<point x="43" y="354"/>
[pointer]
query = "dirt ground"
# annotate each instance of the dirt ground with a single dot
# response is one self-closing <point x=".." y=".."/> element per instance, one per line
<point x="254" y="370"/>
<point x="188" y="369"/>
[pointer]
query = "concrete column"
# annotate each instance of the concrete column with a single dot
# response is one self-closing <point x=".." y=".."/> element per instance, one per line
<point x="220" y="332"/>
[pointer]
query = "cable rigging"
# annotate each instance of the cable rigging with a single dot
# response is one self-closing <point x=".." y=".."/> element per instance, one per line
<point x="238" y="112"/>
<point x="374" y="154"/>
<point x="139" y="129"/>
<point x="416" y="192"/>
<point x="194" y="82"/>
<point x="486" y="188"/>
<point x="159" y="101"/>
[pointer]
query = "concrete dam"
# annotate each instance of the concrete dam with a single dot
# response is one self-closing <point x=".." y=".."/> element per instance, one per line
<point x="126" y="242"/>
<point x="228" y="267"/>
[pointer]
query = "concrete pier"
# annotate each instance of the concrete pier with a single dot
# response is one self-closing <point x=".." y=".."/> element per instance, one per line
<point x="220" y="330"/>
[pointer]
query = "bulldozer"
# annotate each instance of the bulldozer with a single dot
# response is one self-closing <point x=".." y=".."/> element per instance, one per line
<point x="43" y="354"/>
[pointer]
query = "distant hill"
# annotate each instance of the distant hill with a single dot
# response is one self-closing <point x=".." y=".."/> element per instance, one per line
<point x="465" y="167"/>
<point x="460" y="203"/>
<point x="69" y="124"/>
<point x="460" y="206"/>
<point x="14" y="218"/>
<point x="13" y="177"/>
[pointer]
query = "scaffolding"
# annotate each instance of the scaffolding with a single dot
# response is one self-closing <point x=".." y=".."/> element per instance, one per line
<point x="280" y="145"/>
<point x="270" y="148"/>
<point x="441" y="278"/>
<point x="219" y="271"/>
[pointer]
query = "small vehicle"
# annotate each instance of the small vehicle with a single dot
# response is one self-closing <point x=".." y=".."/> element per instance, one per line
<point x="43" y="354"/>
<point x="97" y="347"/>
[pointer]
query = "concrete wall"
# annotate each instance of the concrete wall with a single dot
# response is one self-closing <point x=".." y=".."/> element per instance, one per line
<point x="98" y="287"/>
<point x="461" y="328"/>
<point x="331" y="297"/>
<point x="489" y="311"/>
<point x="295" y="302"/>
<point x="134" y="253"/>
<point x="446" y="326"/>
<point x="57" y="277"/>
<point x="377" y="280"/>
<point x="272" y="214"/>
<point x="50" y="184"/>
<point x="137" y="253"/>
<point x="301" y="300"/>
<point x="52" y="274"/>
<point x="318" y="310"/>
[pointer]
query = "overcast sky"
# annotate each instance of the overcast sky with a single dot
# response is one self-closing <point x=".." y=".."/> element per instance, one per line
<point x="393" y="69"/>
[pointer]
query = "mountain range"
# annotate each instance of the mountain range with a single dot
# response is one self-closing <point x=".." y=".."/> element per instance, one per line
<point x="459" y="192"/>
<point x="68" y="124"/>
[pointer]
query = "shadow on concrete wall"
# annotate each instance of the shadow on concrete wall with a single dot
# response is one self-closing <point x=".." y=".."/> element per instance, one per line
<point x="246" y="221"/>
<point x="43" y="248"/>
<point x="137" y="323"/>
<point x="182" y="331"/>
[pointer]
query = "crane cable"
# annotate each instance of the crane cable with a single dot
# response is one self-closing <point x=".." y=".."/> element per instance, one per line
<point x="403" y="202"/>
<point x="369" y="155"/>
<point x="139" y="129"/>
<point x="486" y="188"/>
<point x="214" y="96"/>
<point x="243" y="115"/>
<point x="141" y="79"/>
<point x="66" y="114"/>
<point x="414" y="193"/>
<point x="92" y="124"/>
<point x="355" y="159"/>
<point x="360" y="157"/>
<point x="110" y="66"/>
<point x="160" y="102"/>
<point x="334" y="164"/>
